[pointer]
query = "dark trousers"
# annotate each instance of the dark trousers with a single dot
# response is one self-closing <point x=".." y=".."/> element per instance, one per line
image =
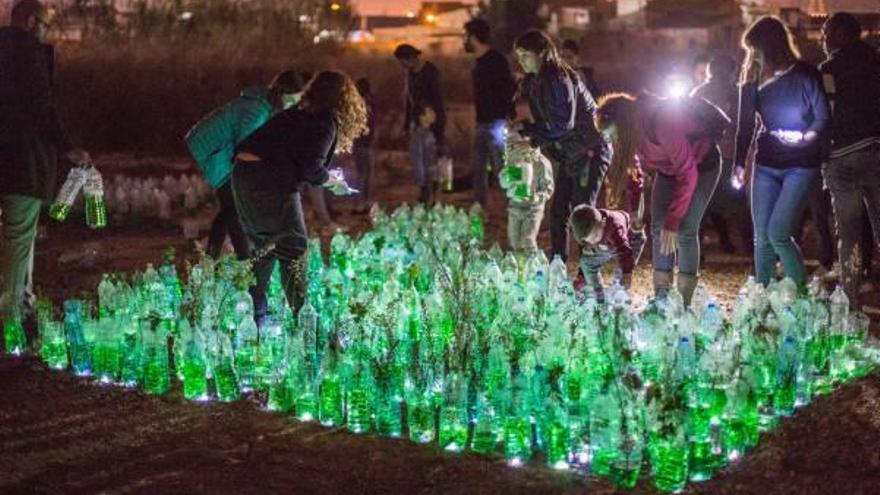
<point x="854" y="182"/>
<point x="819" y="208"/>
<point x="273" y="222"/>
<point x="570" y="191"/>
<point x="226" y="222"/>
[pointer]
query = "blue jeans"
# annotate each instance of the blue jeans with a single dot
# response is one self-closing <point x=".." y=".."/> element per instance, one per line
<point x="487" y="154"/>
<point x="778" y="200"/>
<point x="689" y="231"/>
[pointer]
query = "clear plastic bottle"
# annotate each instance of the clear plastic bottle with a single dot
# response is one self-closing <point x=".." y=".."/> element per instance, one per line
<point x="60" y="208"/>
<point x="93" y="196"/>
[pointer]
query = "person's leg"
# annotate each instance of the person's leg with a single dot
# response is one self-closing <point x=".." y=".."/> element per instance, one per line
<point x="766" y="186"/>
<point x="871" y="185"/>
<point x="316" y="197"/>
<point x="514" y="220"/>
<point x="559" y="210"/>
<point x="219" y="227"/>
<point x="363" y="160"/>
<point x="529" y="228"/>
<point x="790" y="204"/>
<point x="597" y="167"/>
<point x="868" y="246"/>
<point x="480" y="161"/>
<point x="661" y="197"/>
<point x="20" y="217"/>
<point x="290" y="246"/>
<point x="689" y="230"/>
<point x="497" y="145"/>
<point x="841" y="175"/>
<point x="820" y="210"/>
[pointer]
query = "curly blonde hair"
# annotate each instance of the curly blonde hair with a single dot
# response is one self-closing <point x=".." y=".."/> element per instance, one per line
<point x="620" y="110"/>
<point x="335" y="92"/>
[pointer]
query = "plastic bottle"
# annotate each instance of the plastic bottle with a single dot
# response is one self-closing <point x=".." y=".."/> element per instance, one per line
<point x="93" y="196"/>
<point x="60" y="208"/>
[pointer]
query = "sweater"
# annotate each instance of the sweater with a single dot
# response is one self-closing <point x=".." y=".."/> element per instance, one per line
<point x="791" y="101"/>
<point x="494" y="88"/>
<point x="674" y="152"/>
<point x="213" y="139"/>
<point x="854" y="73"/>
<point x="31" y="134"/>
<point x="615" y="237"/>
<point x="294" y="146"/>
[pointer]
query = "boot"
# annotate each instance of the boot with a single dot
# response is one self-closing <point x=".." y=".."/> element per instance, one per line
<point x="686" y="285"/>
<point x="662" y="283"/>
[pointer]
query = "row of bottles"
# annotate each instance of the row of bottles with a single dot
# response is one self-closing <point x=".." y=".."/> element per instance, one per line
<point x="414" y="330"/>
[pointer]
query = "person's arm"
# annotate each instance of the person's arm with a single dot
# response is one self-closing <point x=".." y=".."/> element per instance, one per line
<point x="558" y="100"/>
<point x="407" y="103"/>
<point x="818" y="100"/>
<point x="745" y="128"/>
<point x="436" y="97"/>
<point x="317" y="152"/>
<point x="672" y="134"/>
<point x="506" y="87"/>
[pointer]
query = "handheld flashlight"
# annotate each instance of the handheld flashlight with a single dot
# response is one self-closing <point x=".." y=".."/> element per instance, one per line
<point x="787" y="136"/>
<point x="677" y="86"/>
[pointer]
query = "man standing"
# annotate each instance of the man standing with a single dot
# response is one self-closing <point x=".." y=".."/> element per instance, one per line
<point x="494" y="92"/>
<point x="728" y="203"/>
<point x="571" y="53"/>
<point x="31" y="136"/>
<point x="851" y="74"/>
<point x="422" y="86"/>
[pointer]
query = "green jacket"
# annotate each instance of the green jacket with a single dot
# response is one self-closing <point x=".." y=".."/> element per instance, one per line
<point x="213" y="139"/>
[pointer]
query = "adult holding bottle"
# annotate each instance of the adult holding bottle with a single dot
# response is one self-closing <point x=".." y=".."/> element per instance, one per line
<point x="293" y="148"/>
<point x="32" y="139"/>
<point x="563" y="128"/>
<point x="787" y="94"/>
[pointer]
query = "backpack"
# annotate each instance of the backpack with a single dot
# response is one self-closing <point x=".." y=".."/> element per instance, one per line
<point x="713" y="122"/>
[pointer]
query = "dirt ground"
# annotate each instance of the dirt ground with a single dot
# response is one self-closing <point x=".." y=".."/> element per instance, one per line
<point x="63" y="434"/>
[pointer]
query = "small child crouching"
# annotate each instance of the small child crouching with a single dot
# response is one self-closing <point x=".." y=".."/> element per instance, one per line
<point x="604" y="236"/>
<point x="527" y="178"/>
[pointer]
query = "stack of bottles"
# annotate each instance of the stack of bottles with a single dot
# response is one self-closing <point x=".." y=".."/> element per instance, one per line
<point x="133" y="199"/>
<point x="413" y="330"/>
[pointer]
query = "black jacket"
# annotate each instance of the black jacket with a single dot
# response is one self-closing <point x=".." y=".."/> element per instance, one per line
<point x="563" y="110"/>
<point x="295" y="146"/>
<point x="424" y="87"/>
<point x="31" y="135"/>
<point x="494" y="88"/>
<point x="855" y="69"/>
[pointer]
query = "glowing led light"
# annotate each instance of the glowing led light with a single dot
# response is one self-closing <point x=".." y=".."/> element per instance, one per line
<point x="335" y="7"/>
<point x="677" y="86"/>
<point x="561" y="466"/>
<point x="430" y="18"/>
<point x="306" y="417"/>
<point x="185" y="16"/>
<point x="515" y="462"/>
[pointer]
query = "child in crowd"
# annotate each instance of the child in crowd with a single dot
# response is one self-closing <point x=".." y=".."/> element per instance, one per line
<point x="527" y="178"/>
<point x="423" y="152"/>
<point x="605" y="235"/>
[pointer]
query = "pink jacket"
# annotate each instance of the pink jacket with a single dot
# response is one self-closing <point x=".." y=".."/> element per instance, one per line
<point x="669" y="148"/>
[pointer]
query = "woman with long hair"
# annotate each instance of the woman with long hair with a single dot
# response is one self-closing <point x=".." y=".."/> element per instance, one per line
<point x="787" y="95"/>
<point x="293" y="148"/>
<point x="670" y="140"/>
<point x="213" y="139"/>
<point x="563" y="128"/>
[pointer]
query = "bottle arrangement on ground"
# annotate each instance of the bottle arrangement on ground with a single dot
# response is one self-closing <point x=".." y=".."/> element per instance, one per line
<point x="414" y="330"/>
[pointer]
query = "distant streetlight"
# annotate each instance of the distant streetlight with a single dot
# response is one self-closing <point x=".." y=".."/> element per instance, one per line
<point x="430" y="18"/>
<point x="335" y="7"/>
